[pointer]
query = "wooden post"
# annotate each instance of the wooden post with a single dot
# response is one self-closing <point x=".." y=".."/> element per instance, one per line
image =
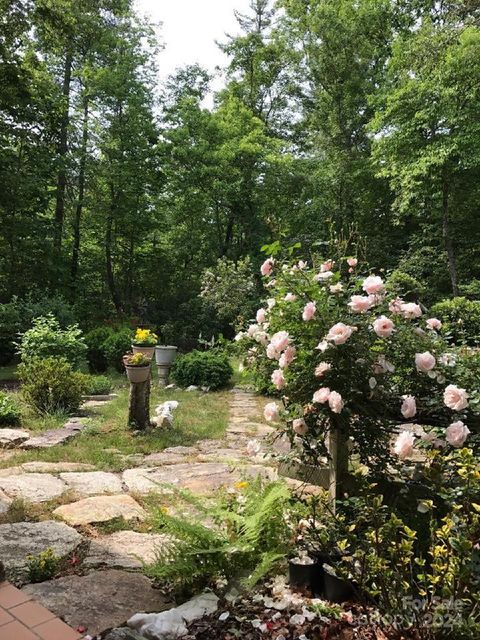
<point x="139" y="405"/>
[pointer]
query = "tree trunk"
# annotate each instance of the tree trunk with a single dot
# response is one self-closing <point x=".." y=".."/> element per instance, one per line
<point x="447" y="238"/>
<point x="337" y="444"/>
<point x="139" y="405"/>
<point x="62" y="153"/>
<point x="108" y="255"/>
<point x="81" y="193"/>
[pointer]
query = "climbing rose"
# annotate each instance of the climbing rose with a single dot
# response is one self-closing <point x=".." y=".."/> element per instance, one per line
<point x="404" y="444"/>
<point x="360" y="304"/>
<point x="261" y="316"/>
<point x="267" y="267"/>
<point x="395" y="305"/>
<point x="300" y="426"/>
<point x="321" y="395"/>
<point x="425" y="361"/>
<point x="278" y="379"/>
<point x="272" y="353"/>
<point x="455" y="398"/>
<point x="373" y="285"/>
<point x="309" y="311"/>
<point x="340" y="333"/>
<point x="290" y="297"/>
<point x="322" y="369"/>
<point x="270" y="412"/>
<point x="352" y="262"/>
<point x="327" y="266"/>
<point x="434" y="323"/>
<point x="287" y="357"/>
<point x="252" y="330"/>
<point x="280" y="340"/>
<point x="457" y="433"/>
<point x="335" y="402"/>
<point x="383" y="327"/>
<point x="410" y="310"/>
<point x="409" y="407"/>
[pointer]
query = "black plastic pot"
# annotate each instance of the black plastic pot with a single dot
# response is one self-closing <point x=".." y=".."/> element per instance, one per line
<point x="335" y="589"/>
<point x="306" y="576"/>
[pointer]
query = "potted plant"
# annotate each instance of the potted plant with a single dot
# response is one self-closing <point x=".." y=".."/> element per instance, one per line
<point x="137" y="367"/>
<point x="165" y="355"/>
<point x="144" y="342"/>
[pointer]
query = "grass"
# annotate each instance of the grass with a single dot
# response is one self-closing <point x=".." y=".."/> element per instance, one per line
<point x="199" y="416"/>
<point x="8" y="373"/>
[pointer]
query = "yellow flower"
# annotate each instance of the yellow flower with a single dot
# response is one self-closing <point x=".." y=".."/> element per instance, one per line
<point x="241" y="485"/>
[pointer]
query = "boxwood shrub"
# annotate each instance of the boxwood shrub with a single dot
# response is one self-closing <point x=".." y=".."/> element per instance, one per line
<point x="202" y="368"/>
<point x="461" y="320"/>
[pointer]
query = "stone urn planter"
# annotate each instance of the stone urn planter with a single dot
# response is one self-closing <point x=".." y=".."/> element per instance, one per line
<point x="164" y="357"/>
<point x="146" y="350"/>
<point x="137" y="374"/>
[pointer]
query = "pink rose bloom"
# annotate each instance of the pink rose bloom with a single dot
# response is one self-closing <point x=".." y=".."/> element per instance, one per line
<point x="309" y="311"/>
<point x="409" y="407"/>
<point x="335" y="402"/>
<point x="322" y="369"/>
<point x="270" y="412"/>
<point x="262" y="338"/>
<point x="373" y="285"/>
<point x="302" y="265"/>
<point x="280" y="340"/>
<point x="352" y="262"/>
<point x="323" y="275"/>
<point x="383" y="327"/>
<point x="395" y="305"/>
<point x="261" y="316"/>
<point x="327" y="266"/>
<point x="410" y="310"/>
<point x="360" y="304"/>
<point x="300" y="426"/>
<point x="455" y="398"/>
<point x="434" y="323"/>
<point x="271" y="302"/>
<point x="267" y="267"/>
<point x="278" y="379"/>
<point x="336" y="288"/>
<point x="290" y="297"/>
<point x="287" y="357"/>
<point x="272" y="353"/>
<point x="340" y="333"/>
<point x="404" y="444"/>
<point x="321" y="395"/>
<point x="457" y="433"/>
<point x="425" y="361"/>
<point x="252" y="330"/>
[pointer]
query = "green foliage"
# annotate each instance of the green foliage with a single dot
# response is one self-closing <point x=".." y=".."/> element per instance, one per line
<point x="98" y="385"/>
<point x="116" y="346"/>
<point x="47" y="339"/>
<point x="202" y="368"/>
<point x="10" y="327"/>
<point x="10" y="414"/>
<point x="96" y="356"/>
<point x="252" y="534"/>
<point x="42" y="567"/>
<point x="461" y="318"/>
<point x="406" y="286"/>
<point x="51" y="385"/>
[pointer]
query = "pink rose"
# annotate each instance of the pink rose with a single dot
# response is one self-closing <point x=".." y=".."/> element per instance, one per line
<point x="287" y="357"/>
<point x="383" y="327"/>
<point x="336" y="288"/>
<point x="373" y="285"/>
<point x="352" y="262"/>
<point x="278" y="379"/>
<point x="272" y="353"/>
<point x="395" y="306"/>
<point x="457" y="433"/>
<point x="425" y="361"/>
<point x="360" y="304"/>
<point x="322" y="369"/>
<point x="309" y="311"/>
<point x="321" y="395"/>
<point x="271" y="302"/>
<point x="323" y="275"/>
<point x="302" y="265"/>
<point x="340" y="333"/>
<point x="280" y="340"/>
<point x="434" y="324"/>
<point x="327" y="266"/>
<point x="252" y="330"/>
<point x="290" y="297"/>
<point x="267" y="267"/>
<point x="300" y="426"/>
<point x="409" y="407"/>
<point x="404" y="444"/>
<point x="261" y="316"/>
<point x="270" y="412"/>
<point x="455" y="398"/>
<point x="410" y="310"/>
<point x="335" y="402"/>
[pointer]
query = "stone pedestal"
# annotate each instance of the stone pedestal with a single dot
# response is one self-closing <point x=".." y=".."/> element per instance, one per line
<point x="139" y="405"/>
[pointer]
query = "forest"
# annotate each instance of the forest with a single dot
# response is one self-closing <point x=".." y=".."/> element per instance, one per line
<point x="351" y="123"/>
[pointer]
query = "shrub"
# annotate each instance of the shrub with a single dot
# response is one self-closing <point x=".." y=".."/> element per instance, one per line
<point x="98" y="385"/>
<point x="461" y="318"/>
<point x="96" y="356"/>
<point x="10" y="327"/>
<point x="10" y="414"/>
<point x="116" y="346"/>
<point x="202" y="368"/>
<point x="42" y="567"/>
<point x="51" y="385"/>
<point x="404" y="285"/>
<point x="46" y="339"/>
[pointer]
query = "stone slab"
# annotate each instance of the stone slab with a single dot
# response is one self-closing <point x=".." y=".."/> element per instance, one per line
<point x="91" y="483"/>
<point x="100" y="509"/>
<point x="10" y="438"/>
<point x="39" y="466"/>
<point x="33" y="487"/>
<point x="124" y="550"/>
<point x="50" y="438"/>
<point x="5" y="503"/>
<point x="161" y="458"/>
<point x="21" y="539"/>
<point x="99" y="600"/>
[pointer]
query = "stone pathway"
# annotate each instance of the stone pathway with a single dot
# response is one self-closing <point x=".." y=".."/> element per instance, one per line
<point x="107" y="593"/>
